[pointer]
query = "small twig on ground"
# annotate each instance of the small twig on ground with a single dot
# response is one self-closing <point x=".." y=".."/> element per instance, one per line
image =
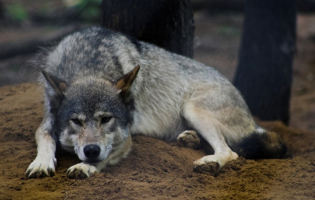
<point x="293" y="175"/>
<point x="66" y="195"/>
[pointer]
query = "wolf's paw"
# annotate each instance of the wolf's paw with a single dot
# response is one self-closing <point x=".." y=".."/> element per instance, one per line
<point x="81" y="171"/>
<point x="213" y="163"/>
<point x="207" y="163"/>
<point x="188" y="139"/>
<point x="41" y="167"/>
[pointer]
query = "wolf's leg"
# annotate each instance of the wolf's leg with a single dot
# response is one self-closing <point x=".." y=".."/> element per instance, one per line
<point x="188" y="139"/>
<point x="212" y="131"/>
<point x="45" y="161"/>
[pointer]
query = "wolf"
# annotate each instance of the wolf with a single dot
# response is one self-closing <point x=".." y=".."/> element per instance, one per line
<point x="102" y="87"/>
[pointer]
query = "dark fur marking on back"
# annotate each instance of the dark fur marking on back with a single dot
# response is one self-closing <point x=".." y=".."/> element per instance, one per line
<point x="136" y="43"/>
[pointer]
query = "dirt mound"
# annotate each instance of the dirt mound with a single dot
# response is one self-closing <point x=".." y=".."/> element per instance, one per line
<point x="153" y="170"/>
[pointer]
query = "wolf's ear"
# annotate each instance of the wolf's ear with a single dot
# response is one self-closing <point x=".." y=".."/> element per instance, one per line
<point x="57" y="84"/>
<point x="124" y="83"/>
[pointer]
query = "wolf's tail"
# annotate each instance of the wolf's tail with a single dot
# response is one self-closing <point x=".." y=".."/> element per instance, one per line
<point x="261" y="144"/>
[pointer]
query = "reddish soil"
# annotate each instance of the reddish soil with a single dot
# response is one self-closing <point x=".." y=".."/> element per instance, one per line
<point x="158" y="170"/>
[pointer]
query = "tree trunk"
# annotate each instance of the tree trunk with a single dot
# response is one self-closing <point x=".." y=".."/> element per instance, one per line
<point x="165" y="23"/>
<point x="264" y="73"/>
<point x="1" y="10"/>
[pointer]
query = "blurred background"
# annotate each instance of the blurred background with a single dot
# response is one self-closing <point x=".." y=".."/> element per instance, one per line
<point x="26" y="25"/>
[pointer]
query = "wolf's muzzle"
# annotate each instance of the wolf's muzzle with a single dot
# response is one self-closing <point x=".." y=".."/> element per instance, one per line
<point x="92" y="151"/>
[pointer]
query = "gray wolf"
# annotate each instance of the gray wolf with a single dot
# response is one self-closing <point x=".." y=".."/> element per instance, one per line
<point x="101" y="87"/>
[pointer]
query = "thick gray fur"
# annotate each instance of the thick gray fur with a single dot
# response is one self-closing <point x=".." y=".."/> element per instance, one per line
<point x="169" y="94"/>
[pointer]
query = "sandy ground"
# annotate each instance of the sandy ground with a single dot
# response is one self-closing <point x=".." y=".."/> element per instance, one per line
<point x="154" y="169"/>
<point x="159" y="170"/>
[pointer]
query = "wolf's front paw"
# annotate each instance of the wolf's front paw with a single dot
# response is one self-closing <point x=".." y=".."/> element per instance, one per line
<point x="81" y="171"/>
<point x="41" y="167"/>
<point x="188" y="139"/>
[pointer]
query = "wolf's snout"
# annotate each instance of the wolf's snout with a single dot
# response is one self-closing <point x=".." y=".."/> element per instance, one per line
<point x="92" y="151"/>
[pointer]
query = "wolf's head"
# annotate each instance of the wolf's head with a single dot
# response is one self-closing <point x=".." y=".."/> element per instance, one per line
<point x="91" y="117"/>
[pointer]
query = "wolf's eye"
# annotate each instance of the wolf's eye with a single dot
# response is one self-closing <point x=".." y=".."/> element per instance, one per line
<point x="105" y="120"/>
<point x="77" y="122"/>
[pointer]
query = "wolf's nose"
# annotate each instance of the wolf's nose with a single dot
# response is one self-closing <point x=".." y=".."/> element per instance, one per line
<point x="92" y="151"/>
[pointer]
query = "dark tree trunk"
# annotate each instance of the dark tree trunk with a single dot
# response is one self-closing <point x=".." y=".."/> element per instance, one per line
<point x="264" y="73"/>
<point x="165" y="23"/>
<point x="1" y="10"/>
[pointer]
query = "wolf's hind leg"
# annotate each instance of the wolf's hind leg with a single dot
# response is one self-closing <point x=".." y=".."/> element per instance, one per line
<point x="45" y="161"/>
<point x="189" y="139"/>
<point x="212" y="131"/>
